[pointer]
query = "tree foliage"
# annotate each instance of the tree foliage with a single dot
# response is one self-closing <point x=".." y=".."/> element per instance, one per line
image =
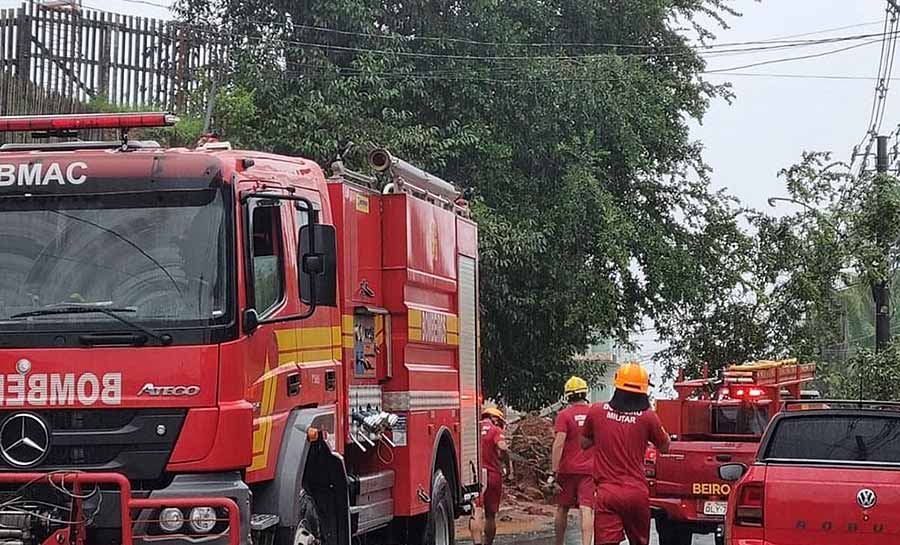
<point x="592" y="200"/>
<point x="806" y="286"/>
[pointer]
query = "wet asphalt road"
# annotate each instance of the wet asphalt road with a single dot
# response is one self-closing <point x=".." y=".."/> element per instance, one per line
<point x="572" y="538"/>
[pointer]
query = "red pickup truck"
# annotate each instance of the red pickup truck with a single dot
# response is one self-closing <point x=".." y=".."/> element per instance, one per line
<point x="713" y="421"/>
<point x="825" y="474"/>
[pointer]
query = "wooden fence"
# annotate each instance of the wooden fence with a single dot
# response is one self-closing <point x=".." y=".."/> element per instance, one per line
<point x="22" y="97"/>
<point x="86" y="54"/>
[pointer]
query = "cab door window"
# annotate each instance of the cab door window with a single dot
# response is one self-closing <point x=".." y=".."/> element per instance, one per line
<point x="267" y="257"/>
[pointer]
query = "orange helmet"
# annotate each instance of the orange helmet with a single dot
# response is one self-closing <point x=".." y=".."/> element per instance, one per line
<point x="631" y="377"/>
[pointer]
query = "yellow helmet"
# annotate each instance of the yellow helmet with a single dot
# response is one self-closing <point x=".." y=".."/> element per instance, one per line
<point x="633" y="378"/>
<point x="575" y="385"/>
<point x="493" y="411"/>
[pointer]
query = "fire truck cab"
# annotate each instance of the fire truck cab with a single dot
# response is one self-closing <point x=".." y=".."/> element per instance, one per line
<point x="714" y="422"/>
<point x="219" y="346"/>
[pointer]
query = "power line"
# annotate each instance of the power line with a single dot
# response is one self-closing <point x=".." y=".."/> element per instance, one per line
<point x="892" y="49"/>
<point x="885" y="64"/>
<point x="798" y="76"/>
<point x="459" y="57"/>
<point x="827" y="30"/>
<point x="411" y="38"/>
<point x="789" y="59"/>
<point x="148" y="3"/>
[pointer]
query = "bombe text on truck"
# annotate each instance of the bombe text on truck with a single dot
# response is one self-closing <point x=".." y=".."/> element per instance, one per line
<point x="220" y="346"/>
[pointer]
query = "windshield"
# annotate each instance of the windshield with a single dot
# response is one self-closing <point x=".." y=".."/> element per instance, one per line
<point x="837" y="438"/>
<point x="160" y="257"/>
<point x="743" y="419"/>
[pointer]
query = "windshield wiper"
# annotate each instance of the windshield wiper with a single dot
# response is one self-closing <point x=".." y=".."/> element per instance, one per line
<point x="112" y="312"/>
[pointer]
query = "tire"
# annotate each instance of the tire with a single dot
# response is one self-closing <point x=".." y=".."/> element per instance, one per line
<point x="309" y="530"/>
<point x="673" y="533"/>
<point x="440" y="525"/>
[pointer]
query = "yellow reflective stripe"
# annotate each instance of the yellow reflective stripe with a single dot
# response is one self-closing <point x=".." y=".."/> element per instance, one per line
<point x="452" y="324"/>
<point x="313" y="337"/>
<point x="261" y="439"/>
<point x="286" y="339"/>
<point x="415" y="334"/>
<point x="262" y="435"/>
<point x="415" y="319"/>
<point x="307" y="356"/>
<point x="287" y="358"/>
<point x="347" y="323"/>
<point x="452" y="338"/>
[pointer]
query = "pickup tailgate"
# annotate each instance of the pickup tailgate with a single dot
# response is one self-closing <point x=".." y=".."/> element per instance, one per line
<point x="833" y="478"/>
<point x="824" y="506"/>
<point x="689" y="473"/>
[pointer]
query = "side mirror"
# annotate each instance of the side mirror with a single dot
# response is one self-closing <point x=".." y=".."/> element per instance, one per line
<point x="251" y="321"/>
<point x="732" y="472"/>
<point x="317" y="255"/>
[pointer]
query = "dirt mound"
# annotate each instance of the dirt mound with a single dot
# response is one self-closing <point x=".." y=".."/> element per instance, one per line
<point x="531" y="443"/>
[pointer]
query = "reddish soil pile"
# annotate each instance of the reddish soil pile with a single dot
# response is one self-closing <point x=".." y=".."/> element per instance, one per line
<point x="531" y="442"/>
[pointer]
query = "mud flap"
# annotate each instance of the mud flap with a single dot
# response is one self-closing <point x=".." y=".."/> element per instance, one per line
<point x="296" y="454"/>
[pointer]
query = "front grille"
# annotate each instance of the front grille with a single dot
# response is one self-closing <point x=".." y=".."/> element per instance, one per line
<point x="137" y="443"/>
<point x="88" y="419"/>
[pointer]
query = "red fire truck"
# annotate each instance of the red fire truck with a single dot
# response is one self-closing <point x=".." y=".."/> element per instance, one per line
<point x="220" y="346"/>
<point x="714" y="422"/>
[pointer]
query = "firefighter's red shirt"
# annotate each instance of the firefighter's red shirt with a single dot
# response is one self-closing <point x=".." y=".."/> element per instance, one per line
<point x="620" y="442"/>
<point x="491" y="436"/>
<point x="575" y="460"/>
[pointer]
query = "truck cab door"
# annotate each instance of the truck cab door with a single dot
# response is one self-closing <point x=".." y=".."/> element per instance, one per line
<point x="270" y="293"/>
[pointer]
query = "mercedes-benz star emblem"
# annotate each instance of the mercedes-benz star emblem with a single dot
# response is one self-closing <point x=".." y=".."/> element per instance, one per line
<point x="24" y="440"/>
<point x="866" y="498"/>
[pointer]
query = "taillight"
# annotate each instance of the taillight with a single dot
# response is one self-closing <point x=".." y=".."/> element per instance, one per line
<point x="749" y="508"/>
<point x="650" y="462"/>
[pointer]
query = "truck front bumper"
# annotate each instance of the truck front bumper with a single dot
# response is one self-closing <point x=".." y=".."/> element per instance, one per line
<point x="139" y="512"/>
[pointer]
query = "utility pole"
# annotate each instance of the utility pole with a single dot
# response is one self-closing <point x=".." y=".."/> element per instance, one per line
<point x="881" y="288"/>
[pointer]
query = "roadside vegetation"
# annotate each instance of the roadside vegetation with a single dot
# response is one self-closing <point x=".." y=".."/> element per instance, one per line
<point x="571" y="141"/>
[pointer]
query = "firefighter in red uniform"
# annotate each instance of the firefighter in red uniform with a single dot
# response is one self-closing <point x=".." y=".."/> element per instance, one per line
<point x="620" y="430"/>
<point x="496" y="463"/>
<point x="571" y="465"/>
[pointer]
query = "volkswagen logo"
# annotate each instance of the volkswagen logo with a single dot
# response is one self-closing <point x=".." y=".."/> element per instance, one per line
<point x="866" y="498"/>
<point x="24" y="440"/>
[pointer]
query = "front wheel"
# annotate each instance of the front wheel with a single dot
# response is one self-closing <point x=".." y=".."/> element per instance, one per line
<point x="309" y="530"/>
<point x="673" y="533"/>
<point x="439" y="527"/>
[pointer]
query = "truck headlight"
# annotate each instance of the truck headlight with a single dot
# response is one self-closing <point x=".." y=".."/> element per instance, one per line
<point x="171" y="520"/>
<point x="203" y="519"/>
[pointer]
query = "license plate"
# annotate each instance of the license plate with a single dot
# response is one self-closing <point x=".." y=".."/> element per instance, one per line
<point x="715" y="508"/>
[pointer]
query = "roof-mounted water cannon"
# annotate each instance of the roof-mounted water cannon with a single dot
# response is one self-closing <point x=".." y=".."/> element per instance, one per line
<point x="405" y="177"/>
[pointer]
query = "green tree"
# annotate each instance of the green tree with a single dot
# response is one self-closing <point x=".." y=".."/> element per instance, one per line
<point x="592" y="200"/>
<point x="806" y="286"/>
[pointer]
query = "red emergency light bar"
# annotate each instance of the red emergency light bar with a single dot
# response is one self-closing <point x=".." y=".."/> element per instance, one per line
<point x="74" y="122"/>
<point x="742" y="392"/>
